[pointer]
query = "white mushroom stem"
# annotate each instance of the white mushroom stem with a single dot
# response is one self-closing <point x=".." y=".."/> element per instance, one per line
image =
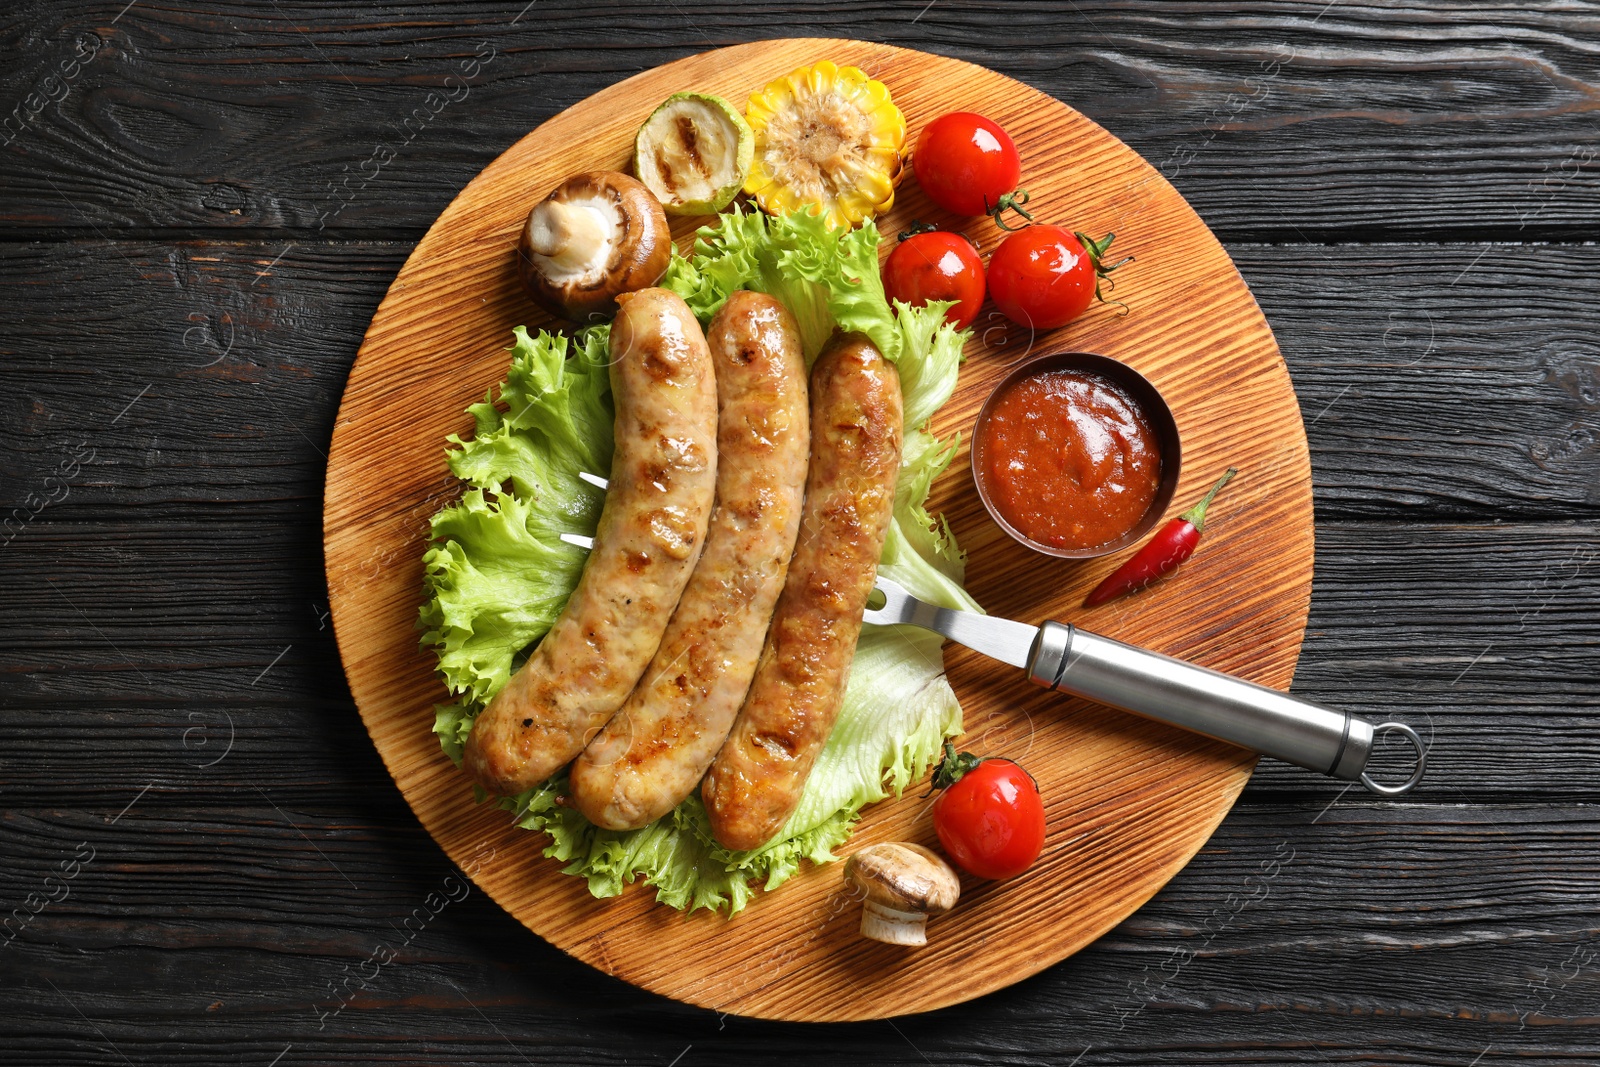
<point x="572" y="236"/>
<point x="901" y="883"/>
<point x="883" y="923"/>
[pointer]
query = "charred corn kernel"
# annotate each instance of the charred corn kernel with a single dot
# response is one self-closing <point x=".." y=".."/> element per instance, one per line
<point x="828" y="136"/>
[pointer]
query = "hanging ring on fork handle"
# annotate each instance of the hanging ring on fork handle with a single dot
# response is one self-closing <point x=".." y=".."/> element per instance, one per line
<point x="1416" y="775"/>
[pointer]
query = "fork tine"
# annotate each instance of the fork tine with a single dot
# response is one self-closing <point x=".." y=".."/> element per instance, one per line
<point x="579" y="539"/>
<point x="894" y="598"/>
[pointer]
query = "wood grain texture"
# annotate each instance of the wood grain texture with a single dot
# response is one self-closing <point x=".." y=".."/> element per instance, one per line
<point x="1391" y="348"/>
<point x="1292" y="117"/>
<point x="1362" y="933"/>
<point x="1129" y="802"/>
<point x="1483" y="636"/>
<point x="1374" y="330"/>
<point x="210" y="928"/>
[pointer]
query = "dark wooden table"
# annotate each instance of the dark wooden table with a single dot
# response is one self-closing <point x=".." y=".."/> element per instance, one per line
<point x="200" y="846"/>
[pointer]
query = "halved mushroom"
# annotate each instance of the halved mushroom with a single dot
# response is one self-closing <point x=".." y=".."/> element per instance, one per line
<point x="596" y="236"/>
<point x="903" y="883"/>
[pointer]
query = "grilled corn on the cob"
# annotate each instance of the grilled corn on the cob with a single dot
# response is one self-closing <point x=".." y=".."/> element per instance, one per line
<point x="827" y="136"/>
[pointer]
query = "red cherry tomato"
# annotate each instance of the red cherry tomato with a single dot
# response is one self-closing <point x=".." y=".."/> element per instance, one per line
<point x="937" y="266"/>
<point x="1043" y="276"/>
<point x="966" y="163"/>
<point x="989" y="817"/>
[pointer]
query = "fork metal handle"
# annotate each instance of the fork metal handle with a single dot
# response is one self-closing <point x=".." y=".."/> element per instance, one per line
<point x="1220" y="706"/>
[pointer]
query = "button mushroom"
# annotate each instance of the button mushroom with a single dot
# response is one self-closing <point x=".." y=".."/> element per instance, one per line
<point x="596" y="236"/>
<point x="903" y="884"/>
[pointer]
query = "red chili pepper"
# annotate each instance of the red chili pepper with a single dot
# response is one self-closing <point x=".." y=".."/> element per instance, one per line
<point x="1174" y="543"/>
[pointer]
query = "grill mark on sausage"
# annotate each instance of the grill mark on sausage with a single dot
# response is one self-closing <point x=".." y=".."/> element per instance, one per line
<point x="757" y="778"/>
<point x="645" y="546"/>
<point x="655" y="750"/>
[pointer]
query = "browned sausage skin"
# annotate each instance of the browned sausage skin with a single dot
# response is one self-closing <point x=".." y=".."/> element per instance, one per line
<point x="757" y="777"/>
<point x="655" y="750"/>
<point x="651" y="532"/>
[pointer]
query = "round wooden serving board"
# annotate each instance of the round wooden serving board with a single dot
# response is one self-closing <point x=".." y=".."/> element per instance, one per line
<point x="1128" y="801"/>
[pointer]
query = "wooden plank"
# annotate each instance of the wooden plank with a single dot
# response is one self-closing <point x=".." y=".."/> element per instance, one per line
<point x="1415" y="932"/>
<point x="1442" y="380"/>
<point x="233" y="364"/>
<point x="1483" y="634"/>
<point x="197" y="376"/>
<point x="1298" y="117"/>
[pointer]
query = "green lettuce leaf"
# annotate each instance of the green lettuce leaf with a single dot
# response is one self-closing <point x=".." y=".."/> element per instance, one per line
<point x="823" y="277"/>
<point x="497" y="574"/>
<point x="898" y="709"/>
<point x="929" y="377"/>
<point x="557" y="422"/>
<point x="920" y="553"/>
<point x="452" y="723"/>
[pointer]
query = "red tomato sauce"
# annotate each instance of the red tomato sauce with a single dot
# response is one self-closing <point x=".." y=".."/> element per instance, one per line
<point x="1070" y="459"/>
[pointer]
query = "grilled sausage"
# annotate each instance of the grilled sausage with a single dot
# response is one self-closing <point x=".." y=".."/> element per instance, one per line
<point x="652" y="529"/>
<point x="655" y="750"/>
<point x="755" y="781"/>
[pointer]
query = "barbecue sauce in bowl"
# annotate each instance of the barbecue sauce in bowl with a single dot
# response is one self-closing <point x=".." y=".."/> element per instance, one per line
<point x="1073" y="461"/>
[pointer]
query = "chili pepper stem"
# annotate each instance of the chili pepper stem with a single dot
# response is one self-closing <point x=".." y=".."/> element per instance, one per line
<point x="1196" y="516"/>
<point x="1172" y="544"/>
